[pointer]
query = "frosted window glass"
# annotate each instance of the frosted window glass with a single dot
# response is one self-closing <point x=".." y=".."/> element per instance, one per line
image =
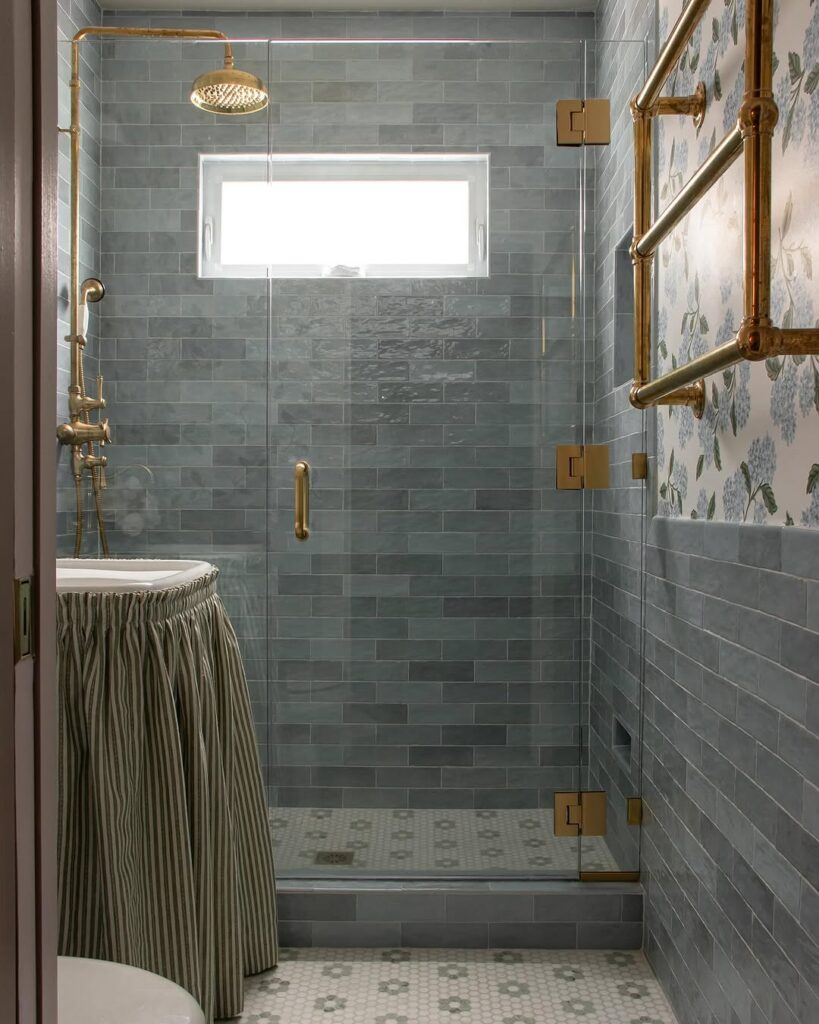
<point x="430" y="221"/>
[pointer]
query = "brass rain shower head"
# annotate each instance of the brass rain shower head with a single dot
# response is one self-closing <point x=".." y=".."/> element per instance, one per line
<point x="229" y="91"/>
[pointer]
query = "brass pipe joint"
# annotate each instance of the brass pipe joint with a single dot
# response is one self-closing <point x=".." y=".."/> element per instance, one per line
<point x="757" y="115"/>
<point x="758" y="339"/>
<point x="692" y="105"/>
<point x="83" y="433"/>
<point x="638" y="113"/>
<point x="692" y="396"/>
<point x="637" y="257"/>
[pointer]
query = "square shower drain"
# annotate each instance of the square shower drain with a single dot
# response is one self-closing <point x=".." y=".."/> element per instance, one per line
<point x="335" y="857"/>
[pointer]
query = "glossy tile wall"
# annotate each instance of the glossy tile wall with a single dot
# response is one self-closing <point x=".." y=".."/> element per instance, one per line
<point x="615" y="662"/>
<point x="730" y="842"/>
<point x="425" y="642"/>
<point x="73" y="15"/>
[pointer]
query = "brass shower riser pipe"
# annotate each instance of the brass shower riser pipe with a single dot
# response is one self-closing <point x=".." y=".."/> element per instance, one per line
<point x="757" y="338"/>
<point x="79" y="432"/>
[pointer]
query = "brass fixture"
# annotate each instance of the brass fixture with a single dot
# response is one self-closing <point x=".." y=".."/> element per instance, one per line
<point x="583" y="122"/>
<point x="301" y="487"/>
<point x="757" y="338"/>
<point x="227" y="91"/>
<point x="634" y="810"/>
<point x="581" y="466"/>
<point x="639" y="465"/>
<point x="91" y="290"/>
<point x="580" y="813"/>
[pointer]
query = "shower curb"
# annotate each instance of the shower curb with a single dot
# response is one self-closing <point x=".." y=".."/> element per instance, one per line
<point x="460" y="914"/>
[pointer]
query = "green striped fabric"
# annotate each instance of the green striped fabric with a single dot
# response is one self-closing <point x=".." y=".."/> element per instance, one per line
<point x="165" y="860"/>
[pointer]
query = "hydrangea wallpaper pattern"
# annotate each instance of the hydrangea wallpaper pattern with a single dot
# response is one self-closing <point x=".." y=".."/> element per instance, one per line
<point x="754" y="456"/>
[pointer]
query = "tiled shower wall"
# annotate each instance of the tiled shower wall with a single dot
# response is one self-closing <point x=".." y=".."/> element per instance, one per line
<point x="618" y="512"/>
<point x="425" y="641"/>
<point x="730" y="842"/>
<point x="72" y="16"/>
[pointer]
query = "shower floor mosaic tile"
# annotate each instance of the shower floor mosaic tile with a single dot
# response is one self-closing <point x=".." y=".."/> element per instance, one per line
<point x="463" y="841"/>
<point x="430" y="986"/>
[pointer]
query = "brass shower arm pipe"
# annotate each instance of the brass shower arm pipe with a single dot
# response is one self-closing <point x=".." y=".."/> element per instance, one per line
<point x="145" y="33"/>
<point x="106" y="31"/>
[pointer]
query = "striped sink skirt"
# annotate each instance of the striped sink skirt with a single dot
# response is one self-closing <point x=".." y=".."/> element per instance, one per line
<point x="165" y="860"/>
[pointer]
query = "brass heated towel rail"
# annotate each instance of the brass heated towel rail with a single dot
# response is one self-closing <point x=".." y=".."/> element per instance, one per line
<point x="757" y="338"/>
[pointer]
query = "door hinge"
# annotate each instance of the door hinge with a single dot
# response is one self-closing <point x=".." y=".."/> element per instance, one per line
<point x="23" y="618"/>
<point x="582" y="466"/>
<point x="639" y="465"/>
<point x="583" y="122"/>
<point x="580" y="814"/>
<point x="634" y="810"/>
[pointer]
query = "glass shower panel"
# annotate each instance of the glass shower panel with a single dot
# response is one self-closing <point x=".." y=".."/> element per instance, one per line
<point x="612" y="714"/>
<point x="184" y="359"/>
<point x="425" y="653"/>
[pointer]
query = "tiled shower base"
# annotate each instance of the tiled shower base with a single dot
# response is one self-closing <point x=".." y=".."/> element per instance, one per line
<point x="459" y="842"/>
<point x="432" y="986"/>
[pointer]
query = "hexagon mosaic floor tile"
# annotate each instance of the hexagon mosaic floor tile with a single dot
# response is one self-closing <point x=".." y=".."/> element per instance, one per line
<point x="483" y="842"/>
<point x="431" y="986"/>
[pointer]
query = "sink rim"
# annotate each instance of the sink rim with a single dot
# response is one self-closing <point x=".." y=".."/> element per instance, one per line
<point x="127" y="575"/>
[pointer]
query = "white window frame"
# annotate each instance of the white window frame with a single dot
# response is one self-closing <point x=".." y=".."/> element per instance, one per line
<point x="217" y="168"/>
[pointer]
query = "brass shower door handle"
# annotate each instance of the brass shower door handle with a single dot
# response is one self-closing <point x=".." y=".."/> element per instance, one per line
<point x="302" y="500"/>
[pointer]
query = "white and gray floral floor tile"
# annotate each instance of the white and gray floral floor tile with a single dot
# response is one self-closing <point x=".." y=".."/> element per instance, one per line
<point x="443" y="986"/>
<point x="457" y="841"/>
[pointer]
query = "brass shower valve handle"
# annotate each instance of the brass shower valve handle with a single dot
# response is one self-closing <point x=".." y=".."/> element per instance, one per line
<point x="82" y="433"/>
<point x="96" y="464"/>
<point x="79" y="404"/>
<point x="80" y="463"/>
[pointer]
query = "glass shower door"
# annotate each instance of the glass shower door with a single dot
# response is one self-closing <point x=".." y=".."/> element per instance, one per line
<point x="612" y="714"/>
<point x="425" y="652"/>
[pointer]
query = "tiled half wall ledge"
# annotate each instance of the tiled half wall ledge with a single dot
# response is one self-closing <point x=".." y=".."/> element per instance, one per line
<point x="461" y="915"/>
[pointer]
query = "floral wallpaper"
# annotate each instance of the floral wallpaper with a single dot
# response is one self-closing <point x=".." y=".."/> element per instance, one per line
<point x="754" y="456"/>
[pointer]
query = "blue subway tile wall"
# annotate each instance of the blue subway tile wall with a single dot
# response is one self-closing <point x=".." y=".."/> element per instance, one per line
<point x="730" y="840"/>
<point x="424" y="645"/>
<point x="185" y="359"/>
<point x="731" y="844"/>
<point x="619" y="60"/>
<point x="73" y="15"/>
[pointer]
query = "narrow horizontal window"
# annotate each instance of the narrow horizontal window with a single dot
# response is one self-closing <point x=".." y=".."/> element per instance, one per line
<point x="343" y="215"/>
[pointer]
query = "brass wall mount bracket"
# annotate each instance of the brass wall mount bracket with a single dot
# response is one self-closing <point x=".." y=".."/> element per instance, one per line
<point x="757" y="338"/>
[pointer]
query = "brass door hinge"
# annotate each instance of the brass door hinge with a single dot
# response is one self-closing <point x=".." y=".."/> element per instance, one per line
<point x="583" y="122"/>
<point x="580" y="814"/>
<point x="639" y="465"/>
<point x="23" y="618"/>
<point x="634" y="810"/>
<point x="580" y="466"/>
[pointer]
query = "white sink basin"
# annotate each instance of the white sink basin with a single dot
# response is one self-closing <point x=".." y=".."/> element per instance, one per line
<point x="119" y="575"/>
